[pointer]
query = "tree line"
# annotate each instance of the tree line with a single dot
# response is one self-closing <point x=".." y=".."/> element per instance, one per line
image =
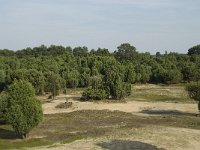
<point x="104" y="74"/>
<point x="55" y="68"/>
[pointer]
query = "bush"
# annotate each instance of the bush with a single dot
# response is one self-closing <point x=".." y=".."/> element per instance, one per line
<point x="91" y="94"/>
<point x="194" y="92"/>
<point x="2" y="108"/>
<point x="23" y="110"/>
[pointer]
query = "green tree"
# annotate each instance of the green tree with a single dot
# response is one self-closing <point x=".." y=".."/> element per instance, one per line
<point x="114" y="85"/>
<point x="23" y="110"/>
<point x="102" y="52"/>
<point x="54" y="83"/>
<point x="126" y="52"/>
<point x="36" y="78"/>
<point x="96" y="92"/>
<point x="190" y="71"/>
<point x="84" y="80"/>
<point x="80" y="51"/>
<point x="172" y="76"/>
<point x="195" y="50"/>
<point x="2" y="79"/>
<point x="194" y="92"/>
<point x="130" y="75"/>
<point x="143" y="73"/>
<point x="96" y="82"/>
<point x="91" y="94"/>
<point x="72" y="78"/>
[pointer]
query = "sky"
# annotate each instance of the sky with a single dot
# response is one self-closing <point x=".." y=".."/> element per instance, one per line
<point x="149" y="25"/>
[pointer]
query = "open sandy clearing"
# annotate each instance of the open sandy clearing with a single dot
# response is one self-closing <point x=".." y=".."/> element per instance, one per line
<point x="149" y="138"/>
<point x="130" y="106"/>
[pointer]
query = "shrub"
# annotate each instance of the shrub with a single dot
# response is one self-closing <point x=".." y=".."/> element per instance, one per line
<point x="194" y="92"/>
<point x="23" y="110"/>
<point x="91" y="94"/>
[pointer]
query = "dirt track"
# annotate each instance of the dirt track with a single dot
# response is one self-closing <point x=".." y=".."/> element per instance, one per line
<point x="135" y="107"/>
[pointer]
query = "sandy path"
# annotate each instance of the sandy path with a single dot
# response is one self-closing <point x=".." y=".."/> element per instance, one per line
<point x="130" y="106"/>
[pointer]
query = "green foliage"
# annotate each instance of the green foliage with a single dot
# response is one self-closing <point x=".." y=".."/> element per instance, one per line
<point x="195" y="50"/>
<point x="54" y="83"/>
<point x="194" y="92"/>
<point x="157" y="73"/>
<point x="100" y="52"/>
<point x="3" y="106"/>
<point x="119" y="89"/>
<point x="126" y="52"/>
<point x="36" y="78"/>
<point x="91" y="94"/>
<point x="172" y="76"/>
<point x="2" y="79"/>
<point x="190" y="71"/>
<point x="23" y="110"/>
<point x="143" y="73"/>
<point x="130" y="74"/>
<point x="113" y="84"/>
<point x="77" y="67"/>
<point x="84" y="80"/>
<point x="80" y="51"/>
<point x="72" y="79"/>
<point x="96" y="82"/>
<point x="6" y="52"/>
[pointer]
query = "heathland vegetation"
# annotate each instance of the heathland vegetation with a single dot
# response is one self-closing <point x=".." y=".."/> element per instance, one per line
<point x="31" y="72"/>
<point x="55" y="68"/>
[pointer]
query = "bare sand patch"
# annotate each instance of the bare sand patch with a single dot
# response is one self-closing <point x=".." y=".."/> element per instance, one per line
<point x="152" y="137"/>
<point x="129" y="106"/>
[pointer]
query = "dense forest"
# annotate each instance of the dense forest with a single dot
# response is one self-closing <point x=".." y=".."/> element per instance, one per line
<point x="55" y="68"/>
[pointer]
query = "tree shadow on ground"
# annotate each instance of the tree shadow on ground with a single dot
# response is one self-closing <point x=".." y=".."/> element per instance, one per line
<point x="127" y="145"/>
<point x="167" y="112"/>
<point x="8" y="134"/>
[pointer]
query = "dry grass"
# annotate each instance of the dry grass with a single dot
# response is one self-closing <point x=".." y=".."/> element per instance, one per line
<point x="65" y="128"/>
<point x="59" y="127"/>
<point x="151" y="92"/>
<point x="84" y="124"/>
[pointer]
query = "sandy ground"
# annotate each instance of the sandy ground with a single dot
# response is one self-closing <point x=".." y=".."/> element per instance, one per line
<point x="134" y="107"/>
<point x="148" y="138"/>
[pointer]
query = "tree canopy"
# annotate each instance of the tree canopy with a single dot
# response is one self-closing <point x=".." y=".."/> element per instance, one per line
<point x="194" y="92"/>
<point x="22" y="109"/>
<point x="55" y="68"/>
<point x="195" y="50"/>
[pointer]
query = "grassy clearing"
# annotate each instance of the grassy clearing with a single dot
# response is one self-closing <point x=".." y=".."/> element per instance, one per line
<point x="66" y="128"/>
<point x="4" y="144"/>
<point x="175" y="93"/>
<point x="164" y="93"/>
<point x="9" y="140"/>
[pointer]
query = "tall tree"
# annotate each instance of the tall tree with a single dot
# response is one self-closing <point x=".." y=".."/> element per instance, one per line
<point x="195" y="50"/>
<point x="54" y="83"/>
<point x="2" y="80"/>
<point x="24" y="111"/>
<point x="126" y="52"/>
<point x="194" y="92"/>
